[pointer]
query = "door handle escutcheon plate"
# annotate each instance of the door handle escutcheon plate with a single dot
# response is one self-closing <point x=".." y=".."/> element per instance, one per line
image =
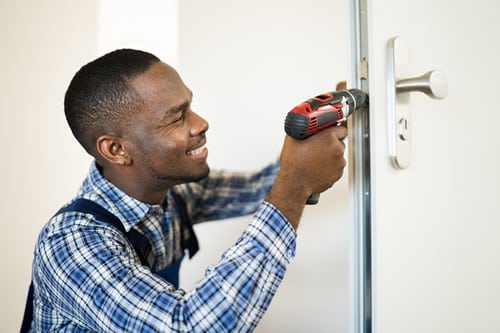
<point x="400" y="84"/>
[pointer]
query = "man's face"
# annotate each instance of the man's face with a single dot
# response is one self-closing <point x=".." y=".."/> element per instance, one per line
<point x="166" y="138"/>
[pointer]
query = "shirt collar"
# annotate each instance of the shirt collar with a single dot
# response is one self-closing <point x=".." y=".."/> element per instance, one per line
<point x="129" y="210"/>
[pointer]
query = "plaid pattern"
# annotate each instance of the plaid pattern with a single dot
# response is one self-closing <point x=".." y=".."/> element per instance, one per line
<point x="87" y="276"/>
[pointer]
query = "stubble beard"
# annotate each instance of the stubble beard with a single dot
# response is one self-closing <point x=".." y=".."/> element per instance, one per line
<point x="166" y="181"/>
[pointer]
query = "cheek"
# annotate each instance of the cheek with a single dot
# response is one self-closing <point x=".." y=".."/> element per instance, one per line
<point x="161" y="147"/>
<point x="171" y="147"/>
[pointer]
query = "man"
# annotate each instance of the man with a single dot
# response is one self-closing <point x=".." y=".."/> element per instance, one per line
<point x="132" y="113"/>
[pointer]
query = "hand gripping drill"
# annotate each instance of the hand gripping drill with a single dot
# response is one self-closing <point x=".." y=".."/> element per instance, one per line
<point x="320" y="112"/>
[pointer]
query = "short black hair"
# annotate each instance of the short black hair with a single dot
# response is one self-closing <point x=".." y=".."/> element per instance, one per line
<point x="99" y="97"/>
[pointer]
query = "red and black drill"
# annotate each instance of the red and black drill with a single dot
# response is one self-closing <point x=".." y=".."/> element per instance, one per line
<point x="320" y="112"/>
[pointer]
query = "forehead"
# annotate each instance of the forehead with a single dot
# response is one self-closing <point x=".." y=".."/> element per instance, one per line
<point x="161" y="84"/>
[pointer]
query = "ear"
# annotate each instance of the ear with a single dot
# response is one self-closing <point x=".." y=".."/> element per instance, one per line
<point x="113" y="149"/>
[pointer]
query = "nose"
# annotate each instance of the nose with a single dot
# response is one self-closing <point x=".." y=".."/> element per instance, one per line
<point x="199" y="125"/>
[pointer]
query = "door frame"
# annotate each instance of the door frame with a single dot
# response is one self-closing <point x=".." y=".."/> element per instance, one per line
<point x="360" y="176"/>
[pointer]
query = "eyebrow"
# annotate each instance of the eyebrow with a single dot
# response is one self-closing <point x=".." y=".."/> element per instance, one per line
<point x="177" y="108"/>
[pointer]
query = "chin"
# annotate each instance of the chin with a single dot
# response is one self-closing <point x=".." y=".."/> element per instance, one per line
<point x="204" y="175"/>
<point x="195" y="178"/>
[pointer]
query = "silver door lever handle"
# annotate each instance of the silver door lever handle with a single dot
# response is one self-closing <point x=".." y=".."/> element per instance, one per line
<point x="400" y="83"/>
<point x="433" y="83"/>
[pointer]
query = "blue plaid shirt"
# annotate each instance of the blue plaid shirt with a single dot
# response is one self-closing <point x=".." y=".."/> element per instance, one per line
<point x="87" y="277"/>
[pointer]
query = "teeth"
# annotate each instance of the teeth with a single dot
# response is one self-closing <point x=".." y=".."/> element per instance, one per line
<point x="196" y="151"/>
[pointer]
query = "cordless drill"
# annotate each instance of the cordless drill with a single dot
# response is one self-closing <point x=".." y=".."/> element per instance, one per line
<point x="320" y="112"/>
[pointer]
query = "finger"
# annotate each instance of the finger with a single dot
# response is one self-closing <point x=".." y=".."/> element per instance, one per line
<point x="341" y="85"/>
<point x="342" y="123"/>
<point x="340" y="132"/>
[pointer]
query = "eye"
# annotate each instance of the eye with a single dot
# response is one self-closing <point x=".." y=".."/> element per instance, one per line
<point x="174" y="120"/>
<point x="175" y="116"/>
<point x="179" y="118"/>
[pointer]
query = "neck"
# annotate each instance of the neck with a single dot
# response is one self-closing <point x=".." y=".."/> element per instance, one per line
<point x="135" y="188"/>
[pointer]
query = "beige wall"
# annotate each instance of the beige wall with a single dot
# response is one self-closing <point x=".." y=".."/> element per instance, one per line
<point x="247" y="64"/>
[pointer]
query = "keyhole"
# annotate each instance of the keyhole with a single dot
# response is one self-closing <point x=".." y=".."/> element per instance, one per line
<point x="404" y="130"/>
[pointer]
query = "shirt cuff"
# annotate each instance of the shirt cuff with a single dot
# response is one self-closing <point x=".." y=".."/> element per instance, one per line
<point x="272" y="232"/>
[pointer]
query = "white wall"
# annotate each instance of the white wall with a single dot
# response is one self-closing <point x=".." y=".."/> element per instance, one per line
<point x="43" y="44"/>
<point x="149" y="25"/>
<point x="247" y="63"/>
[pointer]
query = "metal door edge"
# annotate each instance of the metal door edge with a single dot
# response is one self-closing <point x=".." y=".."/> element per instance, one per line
<point x="360" y="177"/>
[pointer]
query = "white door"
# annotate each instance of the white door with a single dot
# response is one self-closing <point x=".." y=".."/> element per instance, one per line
<point x="435" y="224"/>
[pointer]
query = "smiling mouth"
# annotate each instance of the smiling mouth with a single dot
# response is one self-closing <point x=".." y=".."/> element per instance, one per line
<point x="197" y="152"/>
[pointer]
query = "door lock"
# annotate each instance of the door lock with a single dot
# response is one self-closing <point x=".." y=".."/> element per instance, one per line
<point x="433" y="83"/>
<point x="404" y="130"/>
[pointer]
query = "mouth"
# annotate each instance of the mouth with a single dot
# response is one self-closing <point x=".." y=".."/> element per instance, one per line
<point x="200" y="152"/>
